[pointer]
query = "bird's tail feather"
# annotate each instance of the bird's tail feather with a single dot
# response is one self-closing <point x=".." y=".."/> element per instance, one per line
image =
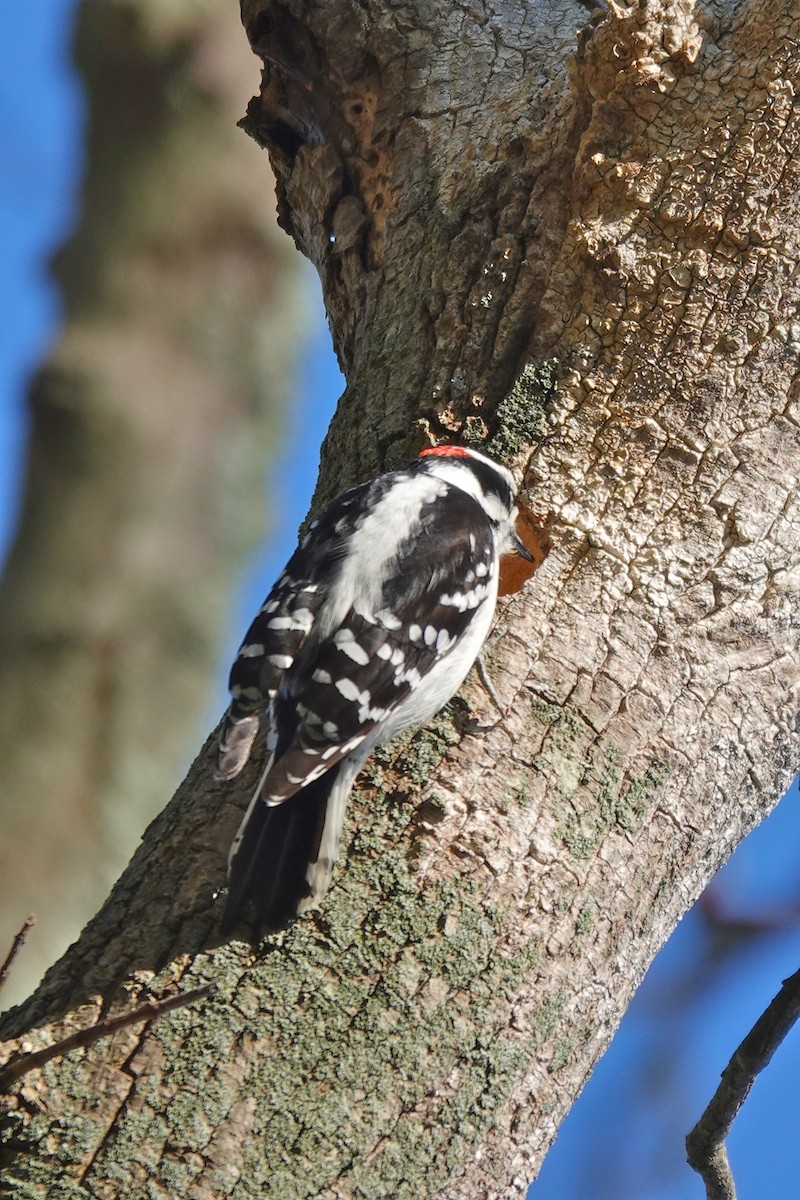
<point x="320" y="866"/>
<point x="282" y="856"/>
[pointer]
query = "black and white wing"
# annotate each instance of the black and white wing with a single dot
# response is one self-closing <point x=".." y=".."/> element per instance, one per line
<point x="336" y="688"/>
<point x="382" y="671"/>
<point x="282" y="626"/>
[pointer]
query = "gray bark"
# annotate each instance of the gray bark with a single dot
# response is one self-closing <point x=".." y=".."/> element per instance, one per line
<point x="502" y="192"/>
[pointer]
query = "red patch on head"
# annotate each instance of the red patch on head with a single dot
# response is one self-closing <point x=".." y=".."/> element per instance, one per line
<point x="445" y="451"/>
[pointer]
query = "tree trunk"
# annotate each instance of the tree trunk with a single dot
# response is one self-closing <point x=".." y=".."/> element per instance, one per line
<point x="484" y="197"/>
<point x="150" y="428"/>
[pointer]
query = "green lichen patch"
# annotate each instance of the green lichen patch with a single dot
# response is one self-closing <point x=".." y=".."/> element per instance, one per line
<point x="361" y="1032"/>
<point x="563" y="1052"/>
<point x="368" y="1032"/>
<point x="546" y="1018"/>
<point x="58" y="1145"/>
<point x="424" y="752"/>
<point x="521" y="791"/>
<point x="588" y="772"/>
<point x="519" y="420"/>
<point x="585" y="919"/>
<point x="641" y="789"/>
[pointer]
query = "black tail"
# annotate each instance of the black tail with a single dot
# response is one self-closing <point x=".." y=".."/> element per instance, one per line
<point x="268" y="876"/>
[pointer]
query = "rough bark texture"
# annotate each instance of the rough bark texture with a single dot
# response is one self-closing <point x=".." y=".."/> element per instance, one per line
<point x="477" y="189"/>
<point x="150" y="428"/>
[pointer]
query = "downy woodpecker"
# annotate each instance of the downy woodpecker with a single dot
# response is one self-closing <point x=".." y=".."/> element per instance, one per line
<point x="371" y="628"/>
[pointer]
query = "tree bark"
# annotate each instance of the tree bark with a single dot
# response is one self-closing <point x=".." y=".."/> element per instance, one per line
<point x="150" y="428"/>
<point x="486" y="197"/>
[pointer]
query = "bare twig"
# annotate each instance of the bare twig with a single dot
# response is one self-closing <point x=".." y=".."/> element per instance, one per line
<point x="87" y="1037"/>
<point x="16" y="946"/>
<point x="705" y="1145"/>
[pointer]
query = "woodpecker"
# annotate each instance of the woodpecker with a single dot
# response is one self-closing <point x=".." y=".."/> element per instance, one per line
<point x="371" y="628"/>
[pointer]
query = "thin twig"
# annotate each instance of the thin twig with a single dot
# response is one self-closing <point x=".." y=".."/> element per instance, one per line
<point x="705" y="1145"/>
<point x="16" y="946"/>
<point x="87" y="1037"/>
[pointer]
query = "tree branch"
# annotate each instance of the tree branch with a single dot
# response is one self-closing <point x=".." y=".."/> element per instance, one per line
<point x="16" y="946"/>
<point x="705" y="1145"/>
<point x="93" y="1033"/>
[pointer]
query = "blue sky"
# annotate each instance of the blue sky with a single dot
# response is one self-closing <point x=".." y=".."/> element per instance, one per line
<point x="625" y="1136"/>
<point x="40" y="126"/>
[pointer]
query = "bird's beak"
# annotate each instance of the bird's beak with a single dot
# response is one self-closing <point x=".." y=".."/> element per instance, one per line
<point x="520" y="548"/>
